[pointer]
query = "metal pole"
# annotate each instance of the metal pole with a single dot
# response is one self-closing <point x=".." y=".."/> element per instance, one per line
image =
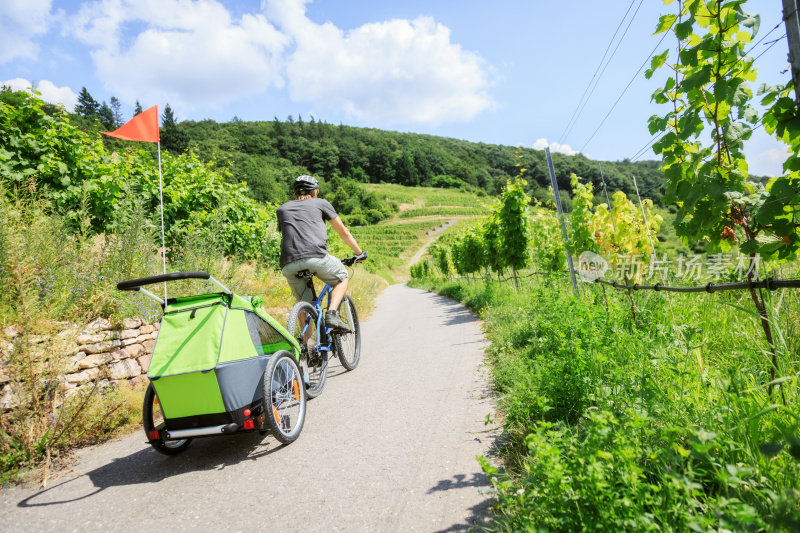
<point x="161" y="202"/>
<point x="605" y="190"/>
<point x="560" y="216"/>
<point x="791" y="17"/>
<point x="641" y="206"/>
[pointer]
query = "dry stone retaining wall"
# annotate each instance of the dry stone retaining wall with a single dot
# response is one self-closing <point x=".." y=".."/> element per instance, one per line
<point x="98" y="351"/>
<point x="124" y="354"/>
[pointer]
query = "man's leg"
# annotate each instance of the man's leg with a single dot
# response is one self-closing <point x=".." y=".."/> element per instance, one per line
<point x="337" y="294"/>
<point x="332" y="319"/>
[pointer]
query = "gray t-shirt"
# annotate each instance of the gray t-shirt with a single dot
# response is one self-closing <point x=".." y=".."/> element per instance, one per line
<point x="302" y="223"/>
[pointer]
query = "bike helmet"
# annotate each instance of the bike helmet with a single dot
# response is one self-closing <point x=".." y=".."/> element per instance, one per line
<point x="305" y="184"/>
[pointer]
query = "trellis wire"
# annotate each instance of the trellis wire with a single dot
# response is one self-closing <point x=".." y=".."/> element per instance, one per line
<point x="769" y="284"/>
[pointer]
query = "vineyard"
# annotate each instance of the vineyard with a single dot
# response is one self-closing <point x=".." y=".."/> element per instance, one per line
<point x="420" y="197"/>
<point x="646" y="410"/>
<point x="390" y="245"/>
<point x="444" y="212"/>
<point x="624" y="406"/>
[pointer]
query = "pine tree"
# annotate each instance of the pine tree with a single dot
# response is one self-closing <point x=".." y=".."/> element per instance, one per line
<point x="86" y="106"/>
<point x="116" y="108"/>
<point x="137" y="108"/>
<point x="168" y="117"/>
<point x="172" y="138"/>
<point x="106" y="116"/>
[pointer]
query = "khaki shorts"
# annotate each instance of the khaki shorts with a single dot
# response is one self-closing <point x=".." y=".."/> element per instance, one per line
<point x="329" y="269"/>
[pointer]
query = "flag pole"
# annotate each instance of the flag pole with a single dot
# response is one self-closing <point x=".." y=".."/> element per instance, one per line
<point x="161" y="204"/>
<point x="144" y="128"/>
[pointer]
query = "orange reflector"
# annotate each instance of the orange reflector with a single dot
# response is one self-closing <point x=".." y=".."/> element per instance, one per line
<point x="296" y="390"/>
<point x="248" y="424"/>
<point x="277" y="416"/>
<point x="247" y="412"/>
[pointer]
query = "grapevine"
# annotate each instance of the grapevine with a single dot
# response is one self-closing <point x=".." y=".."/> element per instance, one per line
<point x="702" y="147"/>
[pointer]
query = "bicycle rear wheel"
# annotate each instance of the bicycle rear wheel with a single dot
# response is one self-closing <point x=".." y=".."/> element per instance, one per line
<point x="302" y="324"/>
<point x="348" y="344"/>
<point x="284" y="401"/>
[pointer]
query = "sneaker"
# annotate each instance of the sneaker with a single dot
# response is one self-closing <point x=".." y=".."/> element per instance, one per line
<point x="333" y="321"/>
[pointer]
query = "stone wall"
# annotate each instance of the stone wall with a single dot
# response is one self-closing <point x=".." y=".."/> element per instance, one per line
<point x="98" y="351"/>
<point x="116" y="354"/>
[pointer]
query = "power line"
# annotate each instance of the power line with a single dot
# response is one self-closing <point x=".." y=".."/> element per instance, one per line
<point x="604" y="69"/>
<point x="643" y="149"/>
<point x="756" y="126"/>
<point x="772" y="43"/>
<point x="575" y="113"/>
<point x="626" y="88"/>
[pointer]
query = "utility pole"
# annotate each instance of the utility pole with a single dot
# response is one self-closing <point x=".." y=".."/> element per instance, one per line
<point x="791" y="17"/>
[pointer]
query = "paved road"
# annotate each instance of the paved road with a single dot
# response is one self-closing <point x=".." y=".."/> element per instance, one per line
<point x="390" y="446"/>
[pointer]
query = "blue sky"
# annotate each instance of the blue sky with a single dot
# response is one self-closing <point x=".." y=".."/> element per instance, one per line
<point x="503" y="72"/>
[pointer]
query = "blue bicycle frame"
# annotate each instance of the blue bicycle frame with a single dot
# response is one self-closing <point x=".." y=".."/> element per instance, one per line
<point x="324" y="339"/>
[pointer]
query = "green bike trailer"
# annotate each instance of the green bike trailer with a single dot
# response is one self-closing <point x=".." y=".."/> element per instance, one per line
<point x="210" y="373"/>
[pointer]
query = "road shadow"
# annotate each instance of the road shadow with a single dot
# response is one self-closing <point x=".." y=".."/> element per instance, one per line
<point x="454" y="312"/>
<point x="147" y="466"/>
<point x="480" y="513"/>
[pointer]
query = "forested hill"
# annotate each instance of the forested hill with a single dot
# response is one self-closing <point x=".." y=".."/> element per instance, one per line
<point x="268" y="154"/>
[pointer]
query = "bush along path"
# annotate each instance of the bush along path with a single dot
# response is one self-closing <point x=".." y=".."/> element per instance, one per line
<point x="619" y="424"/>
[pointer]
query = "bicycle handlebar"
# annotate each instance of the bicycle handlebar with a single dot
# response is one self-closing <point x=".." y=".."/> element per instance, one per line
<point x="350" y="261"/>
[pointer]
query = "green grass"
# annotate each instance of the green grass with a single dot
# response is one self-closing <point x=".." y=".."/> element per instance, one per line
<point x="660" y="423"/>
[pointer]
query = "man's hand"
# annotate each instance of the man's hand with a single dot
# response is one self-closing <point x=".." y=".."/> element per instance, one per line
<point x="360" y="258"/>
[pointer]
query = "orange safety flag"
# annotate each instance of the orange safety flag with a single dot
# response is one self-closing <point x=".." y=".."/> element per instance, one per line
<point x="143" y="127"/>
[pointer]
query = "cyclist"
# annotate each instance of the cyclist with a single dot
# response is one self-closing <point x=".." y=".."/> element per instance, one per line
<point x="304" y="246"/>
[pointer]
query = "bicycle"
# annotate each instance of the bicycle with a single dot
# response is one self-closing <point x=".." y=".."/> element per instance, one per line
<point x="306" y="323"/>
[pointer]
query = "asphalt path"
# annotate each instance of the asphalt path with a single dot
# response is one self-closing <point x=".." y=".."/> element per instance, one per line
<point x="390" y="446"/>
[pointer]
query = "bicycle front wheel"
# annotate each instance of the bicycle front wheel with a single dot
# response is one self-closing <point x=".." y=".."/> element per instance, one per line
<point x="153" y="422"/>
<point x="284" y="401"/>
<point x="348" y="344"/>
<point x="302" y="324"/>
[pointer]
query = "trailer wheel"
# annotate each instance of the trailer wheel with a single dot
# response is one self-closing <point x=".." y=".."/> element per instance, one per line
<point x="153" y="422"/>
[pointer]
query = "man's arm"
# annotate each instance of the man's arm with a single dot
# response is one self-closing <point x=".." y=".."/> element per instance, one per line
<point x="344" y="233"/>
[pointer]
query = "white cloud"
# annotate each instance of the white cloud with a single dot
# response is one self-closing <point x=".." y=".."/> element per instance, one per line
<point x="194" y="54"/>
<point x="50" y="93"/>
<point x="566" y="149"/>
<point x="186" y="53"/>
<point x="769" y="162"/>
<point x="765" y="154"/>
<point x="20" y="21"/>
<point x="394" y="72"/>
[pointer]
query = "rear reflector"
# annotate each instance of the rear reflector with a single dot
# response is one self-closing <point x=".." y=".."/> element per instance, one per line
<point x="248" y="424"/>
<point x="153" y="434"/>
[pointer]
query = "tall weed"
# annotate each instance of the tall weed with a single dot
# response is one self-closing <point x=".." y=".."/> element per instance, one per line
<point x="662" y="422"/>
